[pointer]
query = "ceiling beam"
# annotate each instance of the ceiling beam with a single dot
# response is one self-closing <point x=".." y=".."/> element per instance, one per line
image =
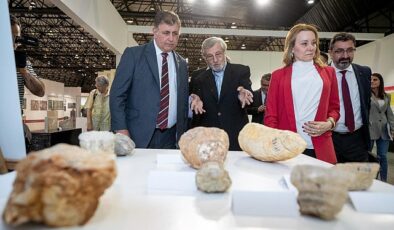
<point x="252" y="33"/>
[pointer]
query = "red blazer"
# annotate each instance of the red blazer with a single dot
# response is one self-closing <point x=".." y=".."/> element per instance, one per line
<point x="280" y="110"/>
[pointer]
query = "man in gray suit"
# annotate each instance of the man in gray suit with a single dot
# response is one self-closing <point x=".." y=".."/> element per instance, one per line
<point x="149" y="95"/>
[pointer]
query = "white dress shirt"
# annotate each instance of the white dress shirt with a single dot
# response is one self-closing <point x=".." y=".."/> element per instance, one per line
<point x="172" y="109"/>
<point x="354" y="96"/>
<point x="306" y="88"/>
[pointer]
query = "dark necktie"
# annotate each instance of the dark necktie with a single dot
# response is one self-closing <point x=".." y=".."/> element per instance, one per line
<point x="162" y="118"/>
<point x="347" y="102"/>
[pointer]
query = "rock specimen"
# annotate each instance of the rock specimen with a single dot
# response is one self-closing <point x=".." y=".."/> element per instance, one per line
<point x="322" y="192"/>
<point x="361" y="174"/>
<point x="212" y="177"/>
<point x="97" y="141"/>
<point x="201" y="144"/>
<point x="59" y="186"/>
<point x="268" y="144"/>
<point x="123" y="145"/>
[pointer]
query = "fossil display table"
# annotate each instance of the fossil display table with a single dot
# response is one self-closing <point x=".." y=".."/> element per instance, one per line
<point x="129" y="203"/>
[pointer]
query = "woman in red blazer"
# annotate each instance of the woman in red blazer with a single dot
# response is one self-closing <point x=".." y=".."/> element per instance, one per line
<point x="303" y="95"/>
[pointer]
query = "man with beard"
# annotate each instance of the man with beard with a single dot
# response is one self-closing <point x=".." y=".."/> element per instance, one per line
<point x="224" y="89"/>
<point x="351" y="134"/>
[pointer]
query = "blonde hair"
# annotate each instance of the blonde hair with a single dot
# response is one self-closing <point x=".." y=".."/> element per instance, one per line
<point x="288" y="57"/>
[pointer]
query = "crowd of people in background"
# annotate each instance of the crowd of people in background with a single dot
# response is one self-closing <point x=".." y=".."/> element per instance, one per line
<point x="339" y="108"/>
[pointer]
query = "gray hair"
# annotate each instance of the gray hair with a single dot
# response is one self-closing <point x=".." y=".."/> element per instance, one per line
<point x="343" y="37"/>
<point x="210" y="42"/>
<point x="102" y="80"/>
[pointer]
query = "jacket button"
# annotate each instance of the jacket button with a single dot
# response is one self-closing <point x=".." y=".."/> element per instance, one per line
<point x="219" y="113"/>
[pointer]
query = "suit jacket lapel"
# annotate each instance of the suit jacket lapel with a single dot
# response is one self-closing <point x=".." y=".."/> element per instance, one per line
<point x="150" y="56"/>
<point x="176" y="58"/>
<point x="288" y="96"/>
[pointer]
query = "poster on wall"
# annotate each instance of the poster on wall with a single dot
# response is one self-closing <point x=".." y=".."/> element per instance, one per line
<point x="24" y="103"/>
<point x="34" y="105"/>
<point x="43" y="105"/>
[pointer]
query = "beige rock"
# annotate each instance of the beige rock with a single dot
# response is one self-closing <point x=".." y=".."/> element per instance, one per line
<point x="212" y="177"/>
<point x="322" y="192"/>
<point x="268" y="144"/>
<point x="201" y="144"/>
<point x="362" y="174"/>
<point x="59" y="186"/>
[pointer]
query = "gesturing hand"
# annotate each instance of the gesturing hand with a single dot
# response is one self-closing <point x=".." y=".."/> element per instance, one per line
<point x="244" y="96"/>
<point x="196" y="104"/>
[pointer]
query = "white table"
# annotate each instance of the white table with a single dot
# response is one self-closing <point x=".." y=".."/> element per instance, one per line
<point x="128" y="204"/>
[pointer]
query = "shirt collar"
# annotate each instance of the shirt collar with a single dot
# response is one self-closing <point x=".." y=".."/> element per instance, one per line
<point x="157" y="49"/>
<point x="349" y="68"/>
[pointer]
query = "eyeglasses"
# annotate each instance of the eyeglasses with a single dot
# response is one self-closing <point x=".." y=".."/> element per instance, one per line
<point x="342" y="51"/>
<point x="217" y="55"/>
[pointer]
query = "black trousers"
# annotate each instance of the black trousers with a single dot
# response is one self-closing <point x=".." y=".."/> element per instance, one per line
<point x="350" y="147"/>
<point x="163" y="139"/>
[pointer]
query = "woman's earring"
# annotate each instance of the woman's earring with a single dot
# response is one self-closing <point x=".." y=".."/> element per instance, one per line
<point x="292" y="55"/>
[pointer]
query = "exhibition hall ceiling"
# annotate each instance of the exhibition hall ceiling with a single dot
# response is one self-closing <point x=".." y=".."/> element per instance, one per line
<point x="67" y="53"/>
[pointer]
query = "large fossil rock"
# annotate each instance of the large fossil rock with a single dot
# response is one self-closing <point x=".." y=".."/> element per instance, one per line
<point x="361" y="175"/>
<point x="212" y="177"/>
<point x="322" y="192"/>
<point x="123" y="145"/>
<point x="59" y="186"/>
<point x="201" y="144"/>
<point x="268" y="144"/>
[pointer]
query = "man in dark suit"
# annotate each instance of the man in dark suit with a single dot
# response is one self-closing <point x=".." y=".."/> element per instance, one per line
<point x="149" y="95"/>
<point x="259" y="97"/>
<point x="224" y="89"/>
<point x="351" y="134"/>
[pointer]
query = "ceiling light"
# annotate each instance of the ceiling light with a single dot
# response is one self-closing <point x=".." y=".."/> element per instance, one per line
<point x="262" y="2"/>
<point x="243" y="46"/>
<point x="311" y="1"/>
<point x="233" y="26"/>
<point x="213" y="2"/>
<point x="130" y="21"/>
<point x="152" y="8"/>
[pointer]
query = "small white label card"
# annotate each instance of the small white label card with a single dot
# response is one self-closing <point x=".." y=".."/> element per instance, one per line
<point x="265" y="203"/>
<point x="172" y="181"/>
<point x="373" y="202"/>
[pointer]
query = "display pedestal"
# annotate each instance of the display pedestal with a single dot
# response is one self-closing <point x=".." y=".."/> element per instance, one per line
<point x="42" y="139"/>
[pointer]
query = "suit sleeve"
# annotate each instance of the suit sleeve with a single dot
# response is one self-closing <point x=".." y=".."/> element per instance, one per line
<point x="271" y="109"/>
<point x="333" y="103"/>
<point x="390" y="115"/>
<point x="119" y="90"/>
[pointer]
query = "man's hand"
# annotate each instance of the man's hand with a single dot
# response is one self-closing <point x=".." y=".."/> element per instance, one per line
<point x="244" y="96"/>
<point x="123" y="131"/>
<point x="196" y="104"/>
<point x="261" y="109"/>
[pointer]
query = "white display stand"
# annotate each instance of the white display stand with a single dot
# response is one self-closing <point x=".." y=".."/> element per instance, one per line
<point x="12" y="142"/>
<point x="128" y="203"/>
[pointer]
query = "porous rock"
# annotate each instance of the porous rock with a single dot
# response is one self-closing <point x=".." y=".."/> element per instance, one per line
<point x="202" y="144"/>
<point x="59" y="186"/>
<point x="322" y="192"/>
<point x="213" y="178"/>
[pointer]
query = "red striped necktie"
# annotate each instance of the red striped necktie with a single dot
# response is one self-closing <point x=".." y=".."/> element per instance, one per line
<point x="347" y="102"/>
<point x="162" y="118"/>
